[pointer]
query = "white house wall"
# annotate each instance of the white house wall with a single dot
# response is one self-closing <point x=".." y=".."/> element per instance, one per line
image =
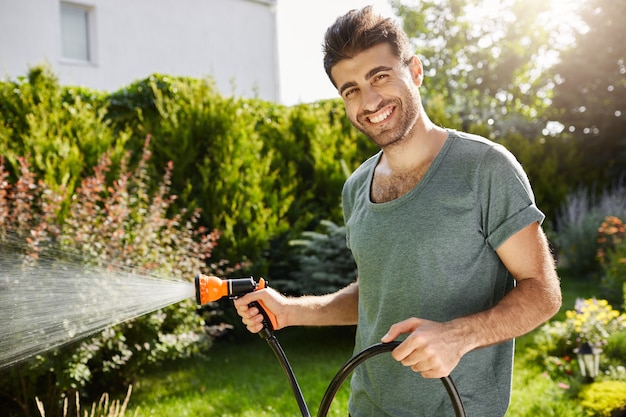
<point x="234" y="41"/>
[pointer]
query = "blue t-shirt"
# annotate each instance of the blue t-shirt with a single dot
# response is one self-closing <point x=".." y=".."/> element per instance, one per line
<point x="431" y="254"/>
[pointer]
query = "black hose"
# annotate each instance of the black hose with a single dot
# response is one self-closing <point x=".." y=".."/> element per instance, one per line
<point x="366" y="354"/>
<point x="282" y="358"/>
<point x="268" y="334"/>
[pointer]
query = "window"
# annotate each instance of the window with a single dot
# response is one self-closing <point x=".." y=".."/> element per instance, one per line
<point x="75" y="39"/>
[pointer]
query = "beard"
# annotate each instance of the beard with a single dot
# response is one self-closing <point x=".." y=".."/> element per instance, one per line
<point x="405" y="114"/>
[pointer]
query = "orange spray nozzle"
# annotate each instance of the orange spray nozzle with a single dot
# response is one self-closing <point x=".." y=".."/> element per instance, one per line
<point x="211" y="288"/>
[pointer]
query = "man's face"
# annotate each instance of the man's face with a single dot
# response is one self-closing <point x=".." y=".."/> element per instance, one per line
<point x="380" y="93"/>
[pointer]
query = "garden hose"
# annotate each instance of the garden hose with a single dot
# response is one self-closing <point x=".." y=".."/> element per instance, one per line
<point x="366" y="354"/>
<point x="212" y="289"/>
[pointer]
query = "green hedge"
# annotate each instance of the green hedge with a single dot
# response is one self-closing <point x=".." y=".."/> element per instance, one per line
<point x="261" y="173"/>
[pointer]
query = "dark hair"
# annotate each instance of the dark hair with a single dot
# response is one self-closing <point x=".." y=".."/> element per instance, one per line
<point x="359" y="30"/>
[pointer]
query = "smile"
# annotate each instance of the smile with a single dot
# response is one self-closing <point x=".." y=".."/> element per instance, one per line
<point x="383" y="115"/>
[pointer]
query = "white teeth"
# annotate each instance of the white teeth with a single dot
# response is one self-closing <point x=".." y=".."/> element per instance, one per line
<point x="380" y="117"/>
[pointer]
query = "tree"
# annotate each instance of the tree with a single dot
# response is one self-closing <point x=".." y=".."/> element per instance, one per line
<point x="590" y="90"/>
<point x="484" y="58"/>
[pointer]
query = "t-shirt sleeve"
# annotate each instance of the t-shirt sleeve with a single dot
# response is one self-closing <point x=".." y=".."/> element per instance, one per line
<point x="506" y="197"/>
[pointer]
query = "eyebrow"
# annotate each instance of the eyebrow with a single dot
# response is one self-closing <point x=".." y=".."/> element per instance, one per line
<point x="369" y="75"/>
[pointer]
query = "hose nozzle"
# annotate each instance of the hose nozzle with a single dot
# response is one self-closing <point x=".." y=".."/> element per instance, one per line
<point x="211" y="288"/>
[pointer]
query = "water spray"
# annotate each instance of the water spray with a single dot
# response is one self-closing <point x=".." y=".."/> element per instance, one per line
<point x="211" y="288"/>
<point x="48" y="304"/>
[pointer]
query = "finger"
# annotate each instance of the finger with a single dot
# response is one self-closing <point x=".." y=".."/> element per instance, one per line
<point x="253" y="323"/>
<point x="406" y="326"/>
<point x="245" y="299"/>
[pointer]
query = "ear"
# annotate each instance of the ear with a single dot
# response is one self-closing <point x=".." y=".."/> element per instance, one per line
<point x="417" y="71"/>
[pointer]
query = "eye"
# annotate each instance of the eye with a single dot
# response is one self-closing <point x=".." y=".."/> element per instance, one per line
<point x="380" y="77"/>
<point x="350" y="92"/>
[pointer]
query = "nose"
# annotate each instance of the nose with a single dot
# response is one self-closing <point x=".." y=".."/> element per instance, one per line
<point x="371" y="99"/>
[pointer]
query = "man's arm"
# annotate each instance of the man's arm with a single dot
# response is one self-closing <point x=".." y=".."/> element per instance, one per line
<point x="336" y="309"/>
<point x="434" y="349"/>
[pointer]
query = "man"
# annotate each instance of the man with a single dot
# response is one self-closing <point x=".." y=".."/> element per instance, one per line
<point x="446" y="236"/>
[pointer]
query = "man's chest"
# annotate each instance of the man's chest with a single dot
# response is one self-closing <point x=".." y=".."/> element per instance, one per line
<point x="388" y="186"/>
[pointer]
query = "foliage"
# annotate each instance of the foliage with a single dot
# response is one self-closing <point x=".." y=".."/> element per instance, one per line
<point x="616" y="348"/>
<point x="590" y="100"/>
<point x="324" y="262"/>
<point x="139" y="235"/>
<point x="61" y="130"/>
<point x="552" y="165"/>
<point x="612" y="257"/>
<point x="261" y="172"/>
<point x="577" y="223"/>
<point x="493" y="59"/>
<point x="603" y="398"/>
<point x="490" y="74"/>
<point x="593" y="321"/>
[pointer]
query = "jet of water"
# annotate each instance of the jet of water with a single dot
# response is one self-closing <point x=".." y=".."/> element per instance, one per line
<point x="49" y="303"/>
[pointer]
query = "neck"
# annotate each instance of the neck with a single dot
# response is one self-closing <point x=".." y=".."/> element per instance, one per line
<point x="422" y="145"/>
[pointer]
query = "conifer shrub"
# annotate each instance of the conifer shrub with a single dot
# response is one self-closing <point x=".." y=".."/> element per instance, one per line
<point x="323" y="262"/>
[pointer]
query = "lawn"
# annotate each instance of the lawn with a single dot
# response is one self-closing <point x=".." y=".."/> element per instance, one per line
<point x="242" y="378"/>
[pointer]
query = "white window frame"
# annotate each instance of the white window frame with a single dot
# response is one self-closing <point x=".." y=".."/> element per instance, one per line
<point x="89" y="33"/>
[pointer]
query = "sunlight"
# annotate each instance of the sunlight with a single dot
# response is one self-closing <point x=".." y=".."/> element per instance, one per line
<point x="560" y="18"/>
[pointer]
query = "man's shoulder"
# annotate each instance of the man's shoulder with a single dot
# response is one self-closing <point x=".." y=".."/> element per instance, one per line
<point x="470" y="147"/>
<point x="364" y="170"/>
<point x="472" y="141"/>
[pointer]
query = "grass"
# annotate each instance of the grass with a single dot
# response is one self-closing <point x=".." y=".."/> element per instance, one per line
<point x="242" y="378"/>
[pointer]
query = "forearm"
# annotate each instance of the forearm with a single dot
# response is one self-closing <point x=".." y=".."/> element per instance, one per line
<point x="528" y="305"/>
<point x="336" y="309"/>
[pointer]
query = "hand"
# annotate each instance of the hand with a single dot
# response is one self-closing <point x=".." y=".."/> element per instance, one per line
<point x="432" y="348"/>
<point x="251" y="316"/>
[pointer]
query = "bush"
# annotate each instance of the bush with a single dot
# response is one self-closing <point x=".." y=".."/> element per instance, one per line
<point x="591" y="321"/>
<point x="611" y="255"/>
<point x="61" y="130"/>
<point x="261" y="172"/>
<point x="325" y="264"/>
<point x="604" y="398"/>
<point x="577" y="225"/>
<point x="124" y="225"/>
<point x="552" y="166"/>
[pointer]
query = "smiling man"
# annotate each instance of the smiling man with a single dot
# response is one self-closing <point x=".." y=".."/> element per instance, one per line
<point x="446" y="236"/>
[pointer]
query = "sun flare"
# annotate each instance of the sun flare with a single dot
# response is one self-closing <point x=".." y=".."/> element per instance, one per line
<point x="558" y="17"/>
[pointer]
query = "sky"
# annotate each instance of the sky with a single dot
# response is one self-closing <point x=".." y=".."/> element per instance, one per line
<point x="301" y="26"/>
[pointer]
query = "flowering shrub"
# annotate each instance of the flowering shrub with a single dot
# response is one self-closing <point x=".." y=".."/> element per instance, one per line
<point x="610" y="236"/>
<point x="593" y="321"/>
<point x="126" y="224"/>
<point x="604" y="398"/>
<point x="556" y="365"/>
